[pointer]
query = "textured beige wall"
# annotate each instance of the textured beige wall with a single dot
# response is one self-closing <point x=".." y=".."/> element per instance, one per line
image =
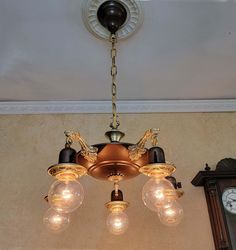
<point x="30" y="143"/>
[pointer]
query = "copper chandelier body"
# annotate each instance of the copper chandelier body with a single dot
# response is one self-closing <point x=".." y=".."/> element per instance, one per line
<point x="113" y="161"/>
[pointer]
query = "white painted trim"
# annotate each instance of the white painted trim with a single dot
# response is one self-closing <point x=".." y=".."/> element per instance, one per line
<point x="144" y="106"/>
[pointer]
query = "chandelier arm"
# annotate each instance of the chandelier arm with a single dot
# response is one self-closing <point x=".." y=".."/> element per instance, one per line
<point x="138" y="149"/>
<point x="154" y="136"/>
<point x="87" y="151"/>
<point x="115" y="123"/>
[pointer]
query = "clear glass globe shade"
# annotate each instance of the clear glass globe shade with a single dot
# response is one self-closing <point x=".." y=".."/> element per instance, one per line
<point x="55" y="221"/>
<point x="171" y="213"/>
<point x="154" y="193"/>
<point x="117" y="222"/>
<point x="65" y="196"/>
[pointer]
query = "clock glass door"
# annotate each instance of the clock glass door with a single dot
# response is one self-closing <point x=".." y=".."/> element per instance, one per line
<point x="229" y="204"/>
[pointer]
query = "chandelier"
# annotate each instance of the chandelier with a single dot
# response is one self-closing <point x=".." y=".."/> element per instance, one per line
<point x="113" y="161"/>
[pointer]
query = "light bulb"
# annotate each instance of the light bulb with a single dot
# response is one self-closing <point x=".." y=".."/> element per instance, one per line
<point x="65" y="196"/>
<point x="55" y="221"/>
<point x="154" y="192"/>
<point x="117" y="222"/>
<point x="171" y="213"/>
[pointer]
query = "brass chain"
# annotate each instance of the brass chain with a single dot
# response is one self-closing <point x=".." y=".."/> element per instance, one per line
<point x="115" y="123"/>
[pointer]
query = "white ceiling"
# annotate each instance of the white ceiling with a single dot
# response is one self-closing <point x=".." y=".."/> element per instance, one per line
<point x="184" y="50"/>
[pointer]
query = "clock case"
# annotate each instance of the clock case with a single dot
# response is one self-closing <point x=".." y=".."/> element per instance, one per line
<point x="214" y="183"/>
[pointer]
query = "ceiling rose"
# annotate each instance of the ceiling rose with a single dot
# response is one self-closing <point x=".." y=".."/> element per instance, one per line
<point x="133" y="21"/>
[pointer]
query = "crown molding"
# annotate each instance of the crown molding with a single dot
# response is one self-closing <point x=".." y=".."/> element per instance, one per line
<point x="144" y="106"/>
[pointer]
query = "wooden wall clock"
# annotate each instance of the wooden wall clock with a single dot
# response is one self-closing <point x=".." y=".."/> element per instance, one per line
<point x="220" y="191"/>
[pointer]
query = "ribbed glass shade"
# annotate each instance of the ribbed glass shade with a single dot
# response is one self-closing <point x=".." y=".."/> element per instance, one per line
<point x="117" y="222"/>
<point x="154" y="193"/>
<point x="66" y="196"/>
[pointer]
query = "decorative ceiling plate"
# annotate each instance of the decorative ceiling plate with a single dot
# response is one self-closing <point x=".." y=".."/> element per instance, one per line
<point x="133" y="22"/>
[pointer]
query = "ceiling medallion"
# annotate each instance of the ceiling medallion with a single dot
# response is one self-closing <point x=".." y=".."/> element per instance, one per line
<point x="113" y="161"/>
<point x="132" y="23"/>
